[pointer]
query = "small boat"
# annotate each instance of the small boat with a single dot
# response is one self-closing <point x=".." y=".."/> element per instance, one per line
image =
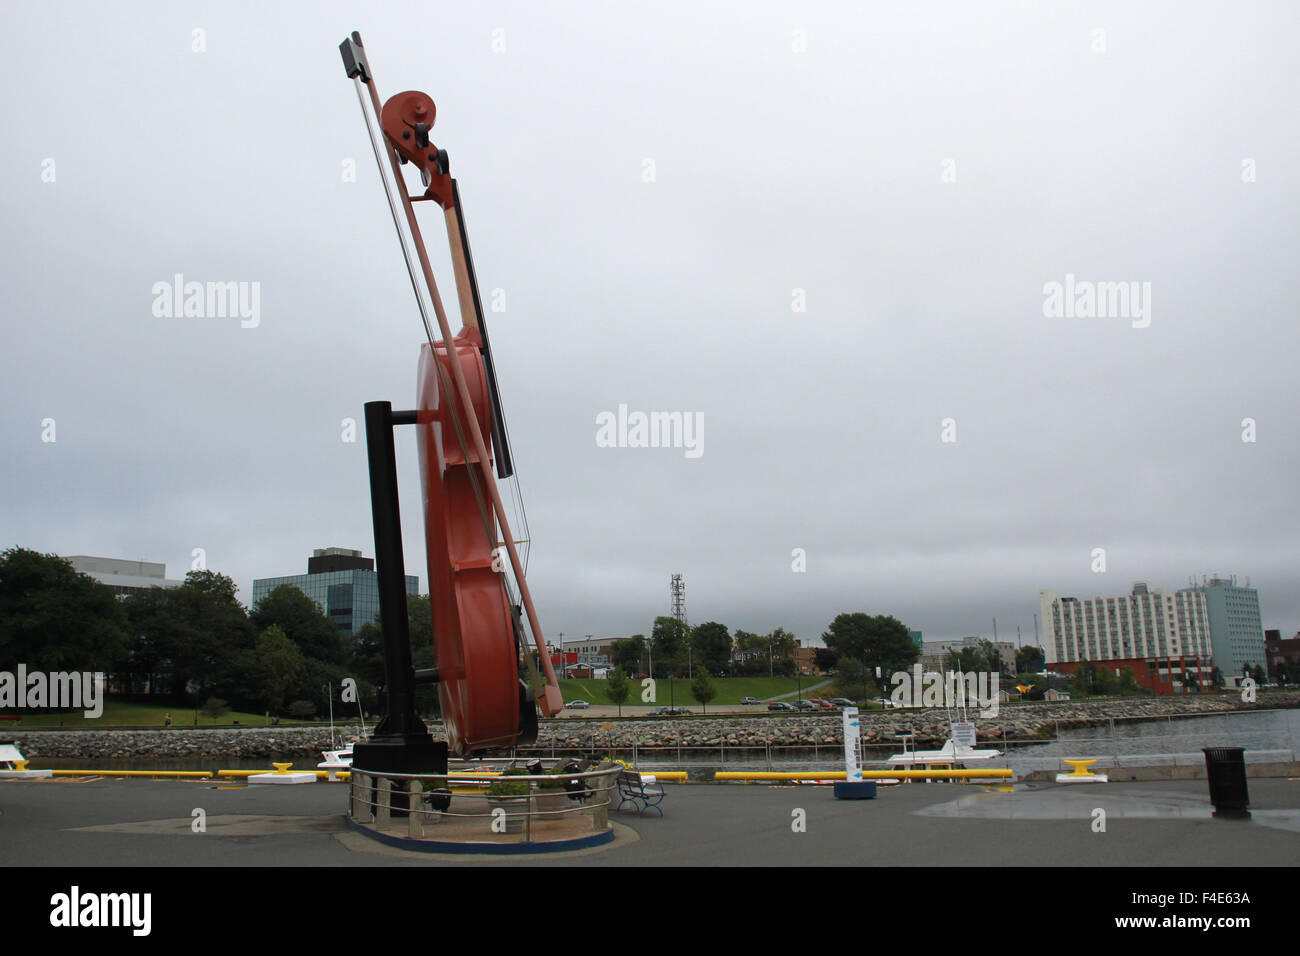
<point x="957" y="753"/>
<point x="336" y="760"/>
<point x="10" y="756"/>
<point x="13" y="764"/>
<point x="951" y="756"/>
<point x="339" y="758"/>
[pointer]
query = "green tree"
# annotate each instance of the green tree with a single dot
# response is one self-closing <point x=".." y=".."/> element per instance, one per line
<point x="302" y="620"/>
<point x="1082" y="684"/>
<point x="195" y="638"/>
<point x="1128" y="683"/>
<point x="851" y="678"/>
<point x="668" y="645"/>
<point x="419" y="614"/>
<point x="744" y="640"/>
<point x="280" y="667"/>
<point x="992" y="657"/>
<point x="617" y="689"/>
<point x="880" y="641"/>
<point x="825" y="660"/>
<point x="628" y="654"/>
<point x="781" y="645"/>
<point x="1029" y="659"/>
<point x="53" y="618"/>
<point x="711" y="643"/>
<point x="969" y="659"/>
<point x="1104" y="681"/>
<point x="702" y="689"/>
<point x="367" y="663"/>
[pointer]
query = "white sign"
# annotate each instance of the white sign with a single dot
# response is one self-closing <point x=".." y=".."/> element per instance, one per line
<point x="852" y="756"/>
<point x="963" y="734"/>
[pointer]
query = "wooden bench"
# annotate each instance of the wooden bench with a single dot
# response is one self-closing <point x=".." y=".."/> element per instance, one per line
<point x="633" y="789"/>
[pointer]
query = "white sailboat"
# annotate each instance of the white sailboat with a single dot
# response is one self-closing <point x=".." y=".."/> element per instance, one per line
<point x="338" y="758"/>
<point x="958" y="752"/>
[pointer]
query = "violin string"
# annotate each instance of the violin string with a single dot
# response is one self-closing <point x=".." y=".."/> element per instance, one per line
<point x="443" y="383"/>
<point x="449" y="395"/>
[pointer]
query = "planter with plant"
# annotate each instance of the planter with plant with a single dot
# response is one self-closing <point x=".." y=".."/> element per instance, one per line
<point x="558" y="793"/>
<point x="511" y="797"/>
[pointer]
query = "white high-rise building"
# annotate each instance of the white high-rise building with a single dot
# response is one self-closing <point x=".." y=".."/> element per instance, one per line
<point x="1147" y="623"/>
<point x="122" y="575"/>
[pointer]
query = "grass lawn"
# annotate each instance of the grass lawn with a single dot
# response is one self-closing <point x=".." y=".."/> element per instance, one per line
<point x="730" y="690"/>
<point x="131" y="714"/>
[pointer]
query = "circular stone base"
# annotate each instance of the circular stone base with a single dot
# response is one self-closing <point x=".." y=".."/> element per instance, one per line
<point x="1075" y="778"/>
<point x="856" y="790"/>
<point x="467" y="843"/>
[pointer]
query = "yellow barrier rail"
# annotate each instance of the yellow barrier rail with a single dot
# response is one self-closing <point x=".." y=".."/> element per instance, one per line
<point x="133" y="773"/>
<point x="320" y="774"/>
<point x="982" y="773"/>
<point x="470" y="777"/>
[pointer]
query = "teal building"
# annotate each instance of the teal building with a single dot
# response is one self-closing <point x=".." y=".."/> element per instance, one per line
<point x="1236" y="627"/>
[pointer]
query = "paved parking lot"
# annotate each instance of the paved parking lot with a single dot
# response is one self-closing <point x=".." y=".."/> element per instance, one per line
<point x="108" y="822"/>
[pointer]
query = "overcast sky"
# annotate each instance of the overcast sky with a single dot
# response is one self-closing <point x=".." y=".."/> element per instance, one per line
<point x="657" y="189"/>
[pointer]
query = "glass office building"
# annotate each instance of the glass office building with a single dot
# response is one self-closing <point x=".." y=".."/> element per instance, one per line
<point x="349" y="598"/>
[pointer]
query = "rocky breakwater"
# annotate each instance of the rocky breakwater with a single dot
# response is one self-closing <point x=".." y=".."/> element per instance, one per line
<point x="1030" y="721"/>
<point x="107" y="745"/>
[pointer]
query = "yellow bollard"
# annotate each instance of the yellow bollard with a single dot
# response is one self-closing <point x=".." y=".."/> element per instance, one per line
<point x="1082" y="773"/>
<point x="281" y="767"/>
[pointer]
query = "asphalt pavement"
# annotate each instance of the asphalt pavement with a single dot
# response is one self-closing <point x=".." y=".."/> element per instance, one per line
<point x="132" y="822"/>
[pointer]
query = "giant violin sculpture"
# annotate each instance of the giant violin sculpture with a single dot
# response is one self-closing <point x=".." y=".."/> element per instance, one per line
<point x="479" y="632"/>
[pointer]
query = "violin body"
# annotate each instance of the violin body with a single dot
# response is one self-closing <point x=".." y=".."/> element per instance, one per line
<point x="473" y="631"/>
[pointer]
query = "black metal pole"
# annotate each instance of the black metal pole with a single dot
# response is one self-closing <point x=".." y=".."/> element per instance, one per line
<point x="400" y="742"/>
<point x="399" y="717"/>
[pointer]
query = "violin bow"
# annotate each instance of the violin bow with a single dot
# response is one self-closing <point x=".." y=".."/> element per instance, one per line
<point x="404" y="123"/>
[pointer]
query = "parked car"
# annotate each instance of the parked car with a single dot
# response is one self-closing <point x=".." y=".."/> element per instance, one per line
<point x="805" y="705"/>
<point x="576" y="705"/>
<point x="818" y="702"/>
<point x="841" y="702"/>
<point x="749" y="700"/>
<point x="780" y="705"/>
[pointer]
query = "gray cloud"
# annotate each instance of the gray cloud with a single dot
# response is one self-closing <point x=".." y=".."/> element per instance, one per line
<point x="775" y="171"/>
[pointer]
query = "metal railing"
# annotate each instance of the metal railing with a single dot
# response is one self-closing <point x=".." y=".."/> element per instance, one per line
<point x="1107" y="744"/>
<point x="382" y="800"/>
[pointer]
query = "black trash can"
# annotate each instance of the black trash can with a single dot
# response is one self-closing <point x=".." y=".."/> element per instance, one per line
<point x="1225" y="768"/>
